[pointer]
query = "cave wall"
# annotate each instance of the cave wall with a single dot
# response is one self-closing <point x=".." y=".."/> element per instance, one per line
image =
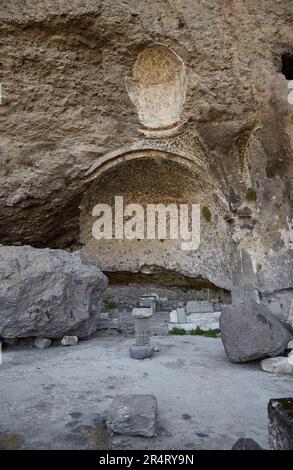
<point x="64" y="105"/>
<point x="154" y="181"/>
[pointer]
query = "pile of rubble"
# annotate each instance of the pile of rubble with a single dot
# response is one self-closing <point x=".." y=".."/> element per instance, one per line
<point x="196" y="314"/>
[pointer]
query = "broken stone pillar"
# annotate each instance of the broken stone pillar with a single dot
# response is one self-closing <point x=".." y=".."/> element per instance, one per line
<point x="142" y="348"/>
<point x="280" y="413"/>
<point x="245" y="282"/>
<point x="181" y="315"/>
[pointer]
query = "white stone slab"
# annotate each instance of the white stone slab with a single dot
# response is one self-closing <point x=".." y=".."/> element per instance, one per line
<point x="174" y="316"/>
<point x="204" y="317"/>
<point x="181" y="315"/>
<point x="142" y="312"/>
<point x="195" y="306"/>
<point x="192" y="326"/>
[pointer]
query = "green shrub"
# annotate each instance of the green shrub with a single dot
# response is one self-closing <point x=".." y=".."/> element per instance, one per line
<point x="196" y="331"/>
<point x="177" y="331"/>
<point x="109" y="304"/>
<point x="209" y="334"/>
<point x="251" y="194"/>
<point x="206" y="213"/>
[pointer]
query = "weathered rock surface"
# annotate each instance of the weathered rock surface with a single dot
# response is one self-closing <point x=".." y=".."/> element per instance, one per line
<point x="277" y="365"/>
<point x="246" y="443"/>
<point x="250" y="331"/>
<point x="133" y="415"/>
<point x="280" y="414"/>
<point x="69" y="341"/>
<point x="42" y="343"/>
<point x="65" y="105"/>
<point x="48" y="293"/>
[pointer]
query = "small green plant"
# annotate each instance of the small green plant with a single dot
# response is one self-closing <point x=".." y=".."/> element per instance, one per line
<point x="109" y="304"/>
<point x="209" y="334"/>
<point x="177" y="331"/>
<point x="206" y="213"/>
<point x="195" y="331"/>
<point x="251" y="194"/>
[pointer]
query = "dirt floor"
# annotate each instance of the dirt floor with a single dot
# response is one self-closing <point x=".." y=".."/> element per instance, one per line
<point x="58" y="398"/>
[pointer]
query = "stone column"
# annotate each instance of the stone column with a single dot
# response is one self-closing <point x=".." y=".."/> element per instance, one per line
<point x="142" y="348"/>
<point x="245" y="282"/>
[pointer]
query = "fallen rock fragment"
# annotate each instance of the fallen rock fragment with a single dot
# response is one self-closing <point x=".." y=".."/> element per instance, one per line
<point x="277" y="365"/>
<point x="42" y="343"/>
<point x="69" y="340"/>
<point x="133" y="415"/>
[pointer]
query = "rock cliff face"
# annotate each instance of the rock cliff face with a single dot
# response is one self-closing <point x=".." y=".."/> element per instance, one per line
<point x="64" y="105"/>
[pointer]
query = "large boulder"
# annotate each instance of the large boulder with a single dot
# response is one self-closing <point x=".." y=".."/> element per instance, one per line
<point x="250" y="332"/>
<point x="49" y="293"/>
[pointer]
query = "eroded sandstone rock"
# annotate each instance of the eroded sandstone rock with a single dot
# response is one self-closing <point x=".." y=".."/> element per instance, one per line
<point x="48" y="293"/>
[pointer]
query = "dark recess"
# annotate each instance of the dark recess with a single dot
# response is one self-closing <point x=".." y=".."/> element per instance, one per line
<point x="287" y="66"/>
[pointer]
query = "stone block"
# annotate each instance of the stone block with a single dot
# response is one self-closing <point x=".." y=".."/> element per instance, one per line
<point x="141" y="352"/>
<point x="195" y="306"/>
<point x="133" y="415"/>
<point x="278" y="365"/>
<point x="69" y="340"/>
<point x="51" y="293"/>
<point x="174" y="316"/>
<point x="148" y="302"/>
<point x="280" y="414"/>
<point x="42" y="343"/>
<point x="142" y="312"/>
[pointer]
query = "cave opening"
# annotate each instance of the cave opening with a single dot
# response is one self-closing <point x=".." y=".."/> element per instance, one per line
<point x="172" y="289"/>
<point x="287" y="66"/>
<point x="145" y="266"/>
